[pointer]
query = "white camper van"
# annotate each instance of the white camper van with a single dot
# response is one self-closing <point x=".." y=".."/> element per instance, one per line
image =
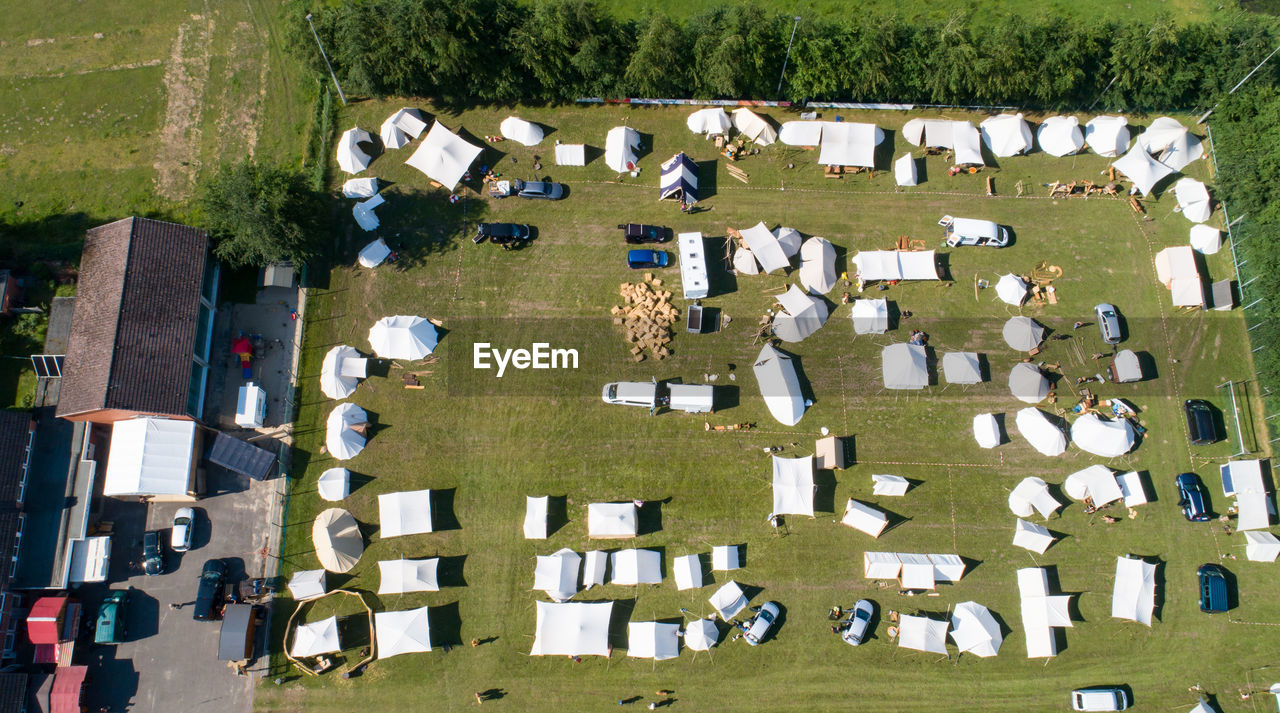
<point x="690" y="398"/>
<point x="968" y="231"/>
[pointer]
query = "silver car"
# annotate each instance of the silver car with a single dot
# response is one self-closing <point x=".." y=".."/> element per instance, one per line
<point x="1108" y="323"/>
<point x="859" y="621"/>
<point x="759" y="626"/>
<point x="184" y="525"/>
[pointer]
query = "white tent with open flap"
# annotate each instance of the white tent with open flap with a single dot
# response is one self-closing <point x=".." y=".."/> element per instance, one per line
<point x="789" y="239"/>
<point x="653" y="640"/>
<point x="754" y="127"/>
<point x="967" y="144"/>
<point x="403" y="337"/>
<point x="572" y="629"/>
<point x="726" y="558"/>
<point x="341" y="371"/>
<point x="917" y="571"/>
<point x="632" y="567"/>
<point x="1006" y="134"/>
<point x="1030" y="536"/>
<point x="710" y="121"/>
<point x="1027" y="383"/>
<point x="1145" y="172"/>
<point x="1171" y="142"/>
<point x="612" y="520"/>
<point x="1206" y="239"/>
<point x="962" y="368"/>
<point x="932" y="133"/>
<point x="404" y="513"/>
<point x="1125" y="367"/>
<point x="402" y="632"/>
<point x="557" y="574"/>
<point x="870" y="316"/>
<point x="403" y="576"/>
<point x="594" y="564"/>
<point x="891" y="265"/>
<point x="779" y="385"/>
<point x="728" y="600"/>
<point x="849" y="144"/>
<point x="1134" y="595"/>
<point x="829" y="453"/>
<point x="678" y="179"/>
<point x="1261" y="546"/>
<point x="364" y="215"/>
<point x="881" y="565"/>
<point x="1041" y="612"/>
<point x="905" y="171"/>
<point x="360" y="188"/>
<point x="1135" y="492"/>
<point x="571" y="154"/>
<point x="701" y="635"/>
<point x="402" y="127"/>
<point x="687" y="570"/>
<point x="1102" y="437"/>
<point x="521" y="131"/>
<point x="922" y="634"/>
<point x="801" y="133"/>
<point x="620" y="146"/>
<point x="1176" y="269"/>
<point x="151" y="457"/>
<point x="351" y="158"/>
<point x="744" y="261"/>
<point x="986" y="430"/>
<point x="535" y="517"/>
<point x="904" y="366"/>
<point x="1043" y="435"/>
<point x="889" y="485"/>
<point x="373" y="254"/>
<point x="975" y="630"/>
<point x="818" y="265"/>
<point x="802" y="314"/>
<point x="1032" y="495"/>
<point x="1011" y="290"/>
<point x="342" y="440"/>
<point x="334" y="484"/>
<point x="864" y="518"/>
<point x="307" y="584"/>
<point x="793" y="486"/>
<point x="315" y="638"/>
<point x="1107" y="135"/>
<point x="1022" y="333"/>
<point x="444" y="156"/>
<point x="1244" y="481"/>
<point x="765" y="247"/>
<point x="336" y="537"/>
<point x="1193" y="199"/>
<point x="1060" y="136"/>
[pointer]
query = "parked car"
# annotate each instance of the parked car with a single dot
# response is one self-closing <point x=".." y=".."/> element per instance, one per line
<point x="640" y="233"/>
<point x="640" y="259"/>
<point x="690" y="398"/>
<point x="1200" y="426"/>
<point x="1108" y="698"/>
<point x="1191" y="497"/>
<point x="503" y="233"/>
<point x="1213" y="588"/>
<point x="544" y="190"/>
<point x="184" y="525"/>
<point x="1108" y="323"/>
<point x="859" y="621"/>
<point x="152" y="553"/>
<point x="209" y="592"/>
<point x="759" y="625"/>
<point x="110" y="627"/>
<point x="968" y="231"/>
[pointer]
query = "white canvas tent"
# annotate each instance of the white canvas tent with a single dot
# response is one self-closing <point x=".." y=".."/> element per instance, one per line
<point x="1193" y="199"/>
<point x="1102" y="437"/>
<point x="1006" y="134"/>
<point x="849" y="144"/>
<point x="967" y="144"/>
<point x="1243" y="480"/>
<point x="904" y="366"/>
<point x="922" y="634"/>
<point x="904" y="171"/>
<point x="1261" y="546"/>
<point x="914" y="571"/>
<point x="1174" y="146"/>
<point x="1107" y="135"/>
<point x="1144" y="171"/>
<point x="1022" y="333"/>
<point x="594" y="564"/>
<point x="802" y="314"/>
<point x="864" y="518"/>
<point x="334" y="484"/>
<point x="986" y="430"/>
<point x="975" y="631"/>
<point x="1040" y="612"/>
<point x="557" y="574"/>
<point x="402" y="632"/>
<point x="1032" y="495"/>
<point x="701" y="635"/>
<point x="403" y="337"/>
<point x="151" y="457"/>
<point x="360" y="188"/>
<point x="620" y="146"/>
<point x="404" y="513"/>
<point x="725" y="558"/>
<point x="572" y="629"/>
<point x="571" y="154"/>
<point x="1134" y="595"/>
<point x="341" y="440"/>
<point x="793" y="486"/>
<point x="1027" y="383"/>
<point x="444" y="156"/>
<point x="1030" y="536"/>
<point x="612" y="520"/>
<point x="351" y="158"/>
<point x="961" y="368"/>
<point x="1060" y="136"/>
<point x="373" y="254"/>
<point x="364" y="215"/>
<point x="801" y="133"/>
<point x="535" y="517"/>
<point x="744" y="261"/>
<point x="632" y="567"/>
<point x="960" y="136"/>
<point x="1011" y="290"/>
<point x="403" y="576"/>
<point x="1176" y="269"/>
<point x="1043" y="435"/>
<point x="1206" y="239"/>
<point x="818" y="265"/>
<point x="728" y="600"/>
<point x="307" y="584"/>
<point x="889" y="485"/>
<point x="754" y="127"/>
<point x="678" y="179"/>
<point x="1135" y="493"/>
<point x="653" y="640"/>
<point x="687" y="570"/>
<point x="789" y="240"/>
<point x="870" y="316"/>
<point x="1126" y="367"/>
<point x="829" y="453"/>
<point x="709" y="121"/>
<point x="521" y="131"/>
<point x="765" y="248"/>
<point x="315" y="638"/>
<point x="336" y="537"/>
<point x="779" y="385"/>
<point x="341" y="371"/>
<point x="896" y="265"/>
<point x="402" y="127"/>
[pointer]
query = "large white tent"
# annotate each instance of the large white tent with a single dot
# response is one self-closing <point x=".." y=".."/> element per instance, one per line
<point x="334" y="484"/>
<point x="889" y="485"/>
<point x="1176" y="269"/>
<point x="1134" y="596"/>
<point x="1173" y="145"/>
<point x="444" y="156"/>
<point x="1041" y="611"/>
<point x="802" y="314"/>
<point x="535" y="517"/>
<point x="1261" y="546"/>
<point x="1107" y="135"/>
<point x="402" y="127"/>
<point x="653" y="640"/>
<point x="779" y="385"/>
<point x="1043" y="435"/>
<point x="620" y="146"/>
<point x="701" y="635"/>
<point x="1102" y="437"/>
<point x="521" y="131"/>
<point x="1006" y="134"/>
<point x="1193" y="199"/>
<point x="849" y="144"/>
<point x="341" y="439"/>
<point x="687" y="570"/>
<point x="904" y="171"/>
<point x="404" y="513"/>
<point x="726" y="558"/>
<point x="1243" y="480"/>
<point x="315" y="638"/>
<point x="870" y="316"/>
<point x="1022" y="333"/>
<point x="1060" y="136"/>
<point x="337" y="539"/>
<point x="896" y="265"/>
<point x="728" y="600"/>
<point x="986" y="430"/>
<point x="1011" y="290"/>
<point x="754" y="127"/>
<point x="557" y="574"/>
<point x="612" y="520"/>
<point x="1030" y="536"/>
<point x="865" y="518"/>
<point x="1032" y="495"/>
<point x="374" y="253"/>
<point x="801" y="133"/>
<point x="1027" y="383"/>
<point x="351" y="158"/>
<point x="922" y="634"/>
<point x="341" y="371"/>
<point x="904" y="366"/>
<point x="631" y="567"/>
<point x="150" y="457"/>
<point x="360" y="187"/>
<point x="1144" y="171"/>
<point x="961" y="368"/>
<point x="818" y="265"/>
<point x="974" y="630"/>
<point x="594" y="564"/>
<point x="307" y="584"/>
<point x="709" y="121"/>
<point x="793" y="486"/>
<point x="765" y="247"/>
<point x="403" y="576"/>
<point x="403" y="337"/>
<point x="402" y="632"/>
<point x="1206" y="239"/>
<point x="572" y="629"/>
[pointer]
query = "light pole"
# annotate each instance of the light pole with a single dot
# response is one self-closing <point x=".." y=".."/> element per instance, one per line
<point x="330" y="66"/>
<point x="784" y="59"/>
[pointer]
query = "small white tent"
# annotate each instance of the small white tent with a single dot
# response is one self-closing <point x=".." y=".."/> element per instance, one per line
<point x="865" y="518"/>
<point x="1244" y="481"/>
<point x="754" y="127"/>
<point x="966" y="144"/>
<point x="334" y="484"/>
<point x="904" y="171"/>
<point x="687" y="570"/>
<point x="765" y="247"/>
<point x="594" y="564"/>
<point x="631" y="567"/>
<point x="802" y="314"/>
<point x="620" y="146"/>
<point x="975" y="631"/>
<point x="889" y="485"/>
<point x="1176" y="269"/>
<point x="1011" y="290"/>
<point x="1032" y="495"/>
<point x="1193" y="199"/>
<point x="360" y="188"/>
<point x="403" y="576"/>
<point x="1043" y="435"/>
<point x="779" y="385"/>
<point x="789" y="240"/>
<point x="318" y="637"/>
<point x="870" y="316"/>
<point x="1261" y="546"/>
<point x="404" y="513"/>
<point x="986" y="430"/>
<point x="701" y="635"/>
<point x="725" y="558"/>
<point x="1027" y="383"/>
<point x="612" y="520"/>
<point x="557" y="574"/>
<point x="351" y="158"/>
<point x="1006" y="134"/>
<point x="307" y="584"/>
<point x="709" y="121"/>
<point x="341" y="439"/>
<point x="961" y="368"/>
<point x="365" y="217"/>
<point x="1135" y="493"/>
<point x="535" y="517"/>
<point x="1134" y="596"/>
<point x="1022" y="333"/>
<point x="571" y="154"/>
<point x="653" y="640"/>
<point x="402" y="127"/>
<point x="373" y="254"/>
<point x="1206" y="239"/>
<point x="1173" y="145"/>
<point x="572" y="629"/>
<point x="403" y="337"/>
<point x="402" y="632"/>
<point x="818" y="265"/>
<point x="341" y="371"/>
<point x="1102" y="437"/>
<point x="444" y="156"/>
<point x="793" y="486"/>
<point x="729" y="600"/>
<point x="904" y="366"/>
<point x="1030" y="536"/>
<point x="521" y="131"/>
<point x="1126" y="367"/>
<point x="1107" y="135"/>
<point x="1144" y="171"/>
<point x="849" y="144"/>
<point x="922" y="634"/>
<point x="1060" y="136"/>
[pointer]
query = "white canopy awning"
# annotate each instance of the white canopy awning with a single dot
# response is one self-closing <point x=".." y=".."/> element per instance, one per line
<point x="342" y="442"/>
<point x="1043" y="435"/>
<point x="1261" y="546"/>
<point x="1027" y="383"/>
<point x="687" y="570"/>
<point x="351" y="158"/>
<point x="986" y="430"/>
<point x="889" y="485"/>
<point x="571" y="154"/>
<point x="612" y="520"/>
<point x="557" y="574"/>
<point x="1102" y="437"/>
<point x="966" y="144"/>
<point x="904" y="366"/>
<point x="1011" y="290"/>
<point x="341" y="371"/>
<point x="905" y="172"/>
<point x="1032" y="495"/>
<point x="150" y="457"/>
<point x="334" y="484"/>
<point x="1006" y="134"/>
<point x="793" y="486"/>
<point x="974" y="630"/>
<point x="1022" y="333"/>
<point x="403" y="576"/>
<point x="1144" y="171"/>
<point x="620" y="146"/>
<point x="865" y="518"/>
<point x="870" y="316"/>
<point x="961" y="368"/>
<point x="364" y="215"/>
<point x="373" y="254"/>
<point x="404" y="513"/>
<point x="1134" y="596"/>
<point x="1030" y="536"/>
<point x="1193" y="199"/>
<point x="521" y="131"/>
<point x="402" y="632"/>
<point x="1107" y="135"/>
<point x="779" y="385"/>
<point x="444" y="156"/>
<point x="1060" y="136"/>
<point x="402" y="127"/>
<point x="729" y="600"/>
<point x="754" y="127"/>
<point x="896" y="265"/>
<point x="849" y="144"/>
<point x="572" y="629"/>
<point x="764" y="246"/>
<point x="802" y="314"/>
<point x="403" y="337"/>
<point x="653" y="640"/>
<point x="725" y="558"/>
<point x="922" y="634"/>
<point x="318" y="637"/>
<point x="535" y="517"/>
<point x="701" y="635"/>
<point x="307" y="584"/>
<point x="710" y="121"/>
<point x="1206" y="239"/>
<point x="818" y="265"/>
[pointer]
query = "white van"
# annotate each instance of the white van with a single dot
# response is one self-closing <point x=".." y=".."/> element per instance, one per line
<point x="631" y="393"/>
<point x="690" y="398"/>
<point x="968" y="231"/>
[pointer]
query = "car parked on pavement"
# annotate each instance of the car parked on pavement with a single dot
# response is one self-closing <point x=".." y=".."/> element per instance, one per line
<point x="859" y="620"/>
<point x="1191" y="497"/>
<point x="152" y="553"/>
<point x="1101" y="698"/>
<point x="640" y="233"/>
<point x="110" y="626"/>
<point x="184" y="525"/>
<point x="1213" y="588"/>
<point x="1200" y="425"/>
<point x="640" y="259"/>
<point x="1108" y="323"/>
<point x="209" y="591"/>
<point x="759" y="626"/>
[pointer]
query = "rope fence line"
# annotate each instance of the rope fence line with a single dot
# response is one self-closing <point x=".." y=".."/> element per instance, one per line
<point x="825" y="191"/>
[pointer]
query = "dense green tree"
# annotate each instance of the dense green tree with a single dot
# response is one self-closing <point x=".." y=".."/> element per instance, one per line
<point x="258" y="215"/>
<point x="659" y="66"/>
<point x="574" y="48"/>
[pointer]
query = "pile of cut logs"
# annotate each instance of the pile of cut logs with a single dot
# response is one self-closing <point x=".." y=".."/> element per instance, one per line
<point x="646" y="316"/>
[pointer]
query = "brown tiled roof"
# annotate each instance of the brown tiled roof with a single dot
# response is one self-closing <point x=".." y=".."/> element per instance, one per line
<point x="15" y="430"/>
<point x="133" y="332"/>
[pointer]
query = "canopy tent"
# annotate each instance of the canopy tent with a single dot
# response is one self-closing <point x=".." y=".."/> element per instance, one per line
<point x="728" y="600"/>
<point x="679" y="179"/>
<point x="765" y="248"/>
<point x="974" y="630"/>
<point x="593" y="568"/>
<point x="1244" y="481"/>
<point x="572" y="629"/>
<point x="922" y="634"/>
<point x="403" y="576"/>
<point x="557" y="574"/>
<point x="914" y="571"/>
<point x="521" y="131"/>
<point x="653" y="640"/>
<point x="1011" y="290"/>
<point x="337" y="540"/>
<point x="1261" y="546"/>
<point x="1107" y="135"/>
<point x="896" y="265"/>
<point x="793" y="486"/>
<point x="889" y="485"/>
<point x="360" y="187"/>
<point x="870" y="316"/>
<point x="725" y="558"/>
<point x="373" y="254"/>
<point x="1060" y="136"/>
<point x="967" y="144"/>
<point x="404" y="513"/>
<point x="1027" y="383"/>
<point x="1043" y="435"/>
<point x="754" y="127"/>
<point x="150" y="457"/>
<point x="535" y="517"/>
<point x="1176" y="269"/>
<point x="779" y="385"/>
<point x="1126" y="367"/>
<point x="904" y="366"/>
<point x="905" y="172"/>
<point x="444" y="156"/>
<point x="1176" y="147"/>
<point x="620" y="146"/>
<point x="865" y="518"/>
<point x="631" y="567"/>
<point x="1206" y="239"/>
<point x="1193" y="199"/>
<point x="307" y="584"/>
<point x="341" y="439"/>
<point x="403" y="337"/>
<point x="341" y="371"/>
<point x="571" y="154"/>
<point x="960" y="136"/>
<point x="961" y="368"/>
<point x="1134" y="596"/>
<point x="701" y="635"/>
<point x="849" y="144"/>
<point x="1006" y="134"/>
<point x="818" y="265"/>
<point x="1102" y="437"/>
<point x="318" y="637"/>
<point x="687" y="570"/>
<point x="1032" y="495"/>
<point x="1022" y="333"/>
<point x="402" y="127"/>
<point x="402" y="632"/>
<point x="1135" y="493"/>
<point x="986" y="430"/>
<point x="789" y="239"/>
<point x="351" y="158"/>
<point x="802" y="314"/>
<point x="1041" y="611"/>
<point x="334" y="484"/>
<point x="364" y="215"/>
<point x="612" y="520"/>
<point x="801" y="133"/>
<point x="1030" y="536"/>
<point x="709" y="121"/>
<point x="1144" y="171"/>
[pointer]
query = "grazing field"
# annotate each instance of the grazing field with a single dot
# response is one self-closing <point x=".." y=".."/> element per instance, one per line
<point x="485" y="443"/>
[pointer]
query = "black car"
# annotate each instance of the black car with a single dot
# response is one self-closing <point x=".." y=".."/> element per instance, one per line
<point x="1213" y="588"/>
<point x="1200" y="425"/>
<point x="503" y="233"/>
<point x="152" y="553"/>
<point x="639" y="233"/>
<point x="209" y="593"/>
<point x="1191" y="498"/>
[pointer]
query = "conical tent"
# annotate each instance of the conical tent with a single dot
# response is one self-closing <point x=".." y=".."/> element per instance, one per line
<point x="710" y="121"/>
<point x="754" y="127"/>
<point x="922" y="634"/>
<point x="334" y="484"/>
<point x="818" y="265"/>
<point x="1193" y="199"/>
<point x="403" y="576"/>
<point x="1206" y="239"/>
<point x="701" y="635"/>
<point x="986" y="430"/>
<point x="620" y="146"/>
<point x="1022" y="333"/>
<point x="974" y="630"/>
<point x="1030" y="536"/>
<point x="779" y="385"/>
<point x="1006" y="134"/>
<point x="1043" y="435"/>
<point x="337" y="540"/>
<point x="1144" y="171"/>
<point x="402" y="632"/>
<point x="802" y="314"/>
<point x="319" y="637"/>
<point x="521" y="131"/>
<point x="729" y="600"/>
<point x="1060" y="136"/>
<point x="653" y="640"/>
<point x="373" y="254"/>
<point x="870" y="316"/>
<point x="961" y="368"/>
<point x="557" y="574"/>
<point x="307" y="584"/>
<point x="341" y="371"/>
<point x="744" y="261"/>
<point x="904" y="366"/>
<point x="1011" y="290"/>
<point x="341" y="440"/>
<point x="402" y="127"/>
<point x="904" y="171"/>
<point x="1101" y="437"/>
<point x="403" y="337"/>
<point x="444" y="156"/>
<point x="1107" y="135"/>
<point x="1027" y="383"/>
<point x="1032" y="495"/>
<point x="351" y="158"/>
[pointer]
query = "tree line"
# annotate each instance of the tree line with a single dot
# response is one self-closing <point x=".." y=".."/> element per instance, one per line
<point x="500" y="51"/>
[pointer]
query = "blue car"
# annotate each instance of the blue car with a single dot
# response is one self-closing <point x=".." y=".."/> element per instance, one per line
<point x="641" y="259"/>
<point x="1213" y="588"/>
<point x="1191" y="498"/>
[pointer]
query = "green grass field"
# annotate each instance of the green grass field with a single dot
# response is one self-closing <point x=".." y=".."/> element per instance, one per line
<point x="488" y="443"/>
